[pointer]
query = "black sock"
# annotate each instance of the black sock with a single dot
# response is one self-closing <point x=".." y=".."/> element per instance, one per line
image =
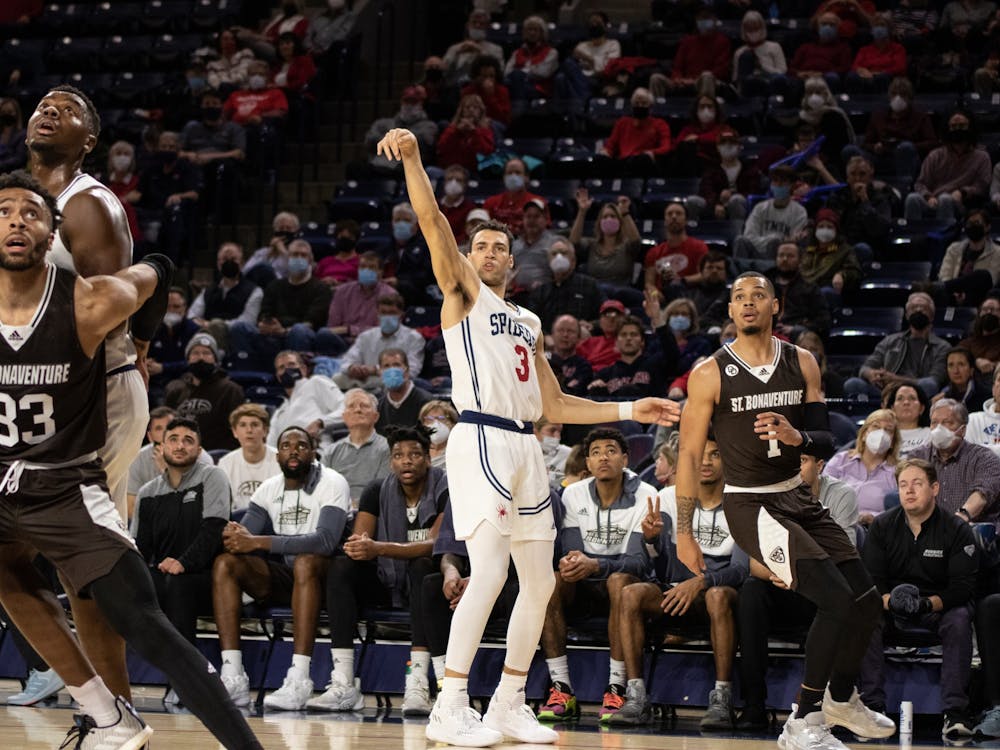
<point x="810" y="700"/>
<point x="841" y="687"/>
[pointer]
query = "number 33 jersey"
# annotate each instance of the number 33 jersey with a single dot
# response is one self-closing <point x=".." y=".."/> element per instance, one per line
<point x="52" y="395"/>
<point x="492" y="358"/>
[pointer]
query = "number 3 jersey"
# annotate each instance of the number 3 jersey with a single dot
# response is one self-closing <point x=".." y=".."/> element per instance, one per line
<point x="745" y="392"/>
<point x="52" y="395"/>
<point x="492" y="358"/>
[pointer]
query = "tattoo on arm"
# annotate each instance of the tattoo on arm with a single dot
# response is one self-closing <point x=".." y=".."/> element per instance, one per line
<point x="685" y="513"/>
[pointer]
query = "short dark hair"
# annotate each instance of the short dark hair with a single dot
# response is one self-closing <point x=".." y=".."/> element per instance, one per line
<point x="632" y="320"/>
<point x="889" y="398"/>
<point x="296" y="428"/>
<point x="965" y="353"/>
<point x="712" y="256"/>
<point x="754" y="275"/>
<point x="917" y="463"/>
<point x="19" y="179"/>
<point x="160" y="412"/>
<point x="209" y="93"/>
<point x="416" y="433"/>
<point x="347" y="225"/>
<point x="676" y="203"/>
<point x="395" y="299"/>
<point x="784" y="173"/>
<point x="187" y="423"/>
<point x="396" y="351"/>
<point x="604" y="433"/>
<point x="93" y="118"/>
<point x="494" y="226"/>
<point x="371" y="255"/>
<point x="982" y="213"/>
<point x="484" y="61"/>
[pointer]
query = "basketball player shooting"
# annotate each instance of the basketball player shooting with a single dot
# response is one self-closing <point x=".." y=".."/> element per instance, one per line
<point x="764" y="400"/>
<point x="496" y="473"/>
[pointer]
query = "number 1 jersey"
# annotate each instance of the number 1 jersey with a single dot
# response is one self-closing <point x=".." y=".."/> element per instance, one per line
<point x="492" y="358"/>
<point x="52" y="395"/>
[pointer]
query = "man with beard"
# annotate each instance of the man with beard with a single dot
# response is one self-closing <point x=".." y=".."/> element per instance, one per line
<point x="55" y="493"/>
<point x="177" y="525"/>
<point x="94" y="238"/>
<point x="307" y="507"/>
<point x="803" y="306"/>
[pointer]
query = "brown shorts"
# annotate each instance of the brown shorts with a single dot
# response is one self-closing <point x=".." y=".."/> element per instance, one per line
<point x="778" y="529"/>
<point x="69" y="517"/>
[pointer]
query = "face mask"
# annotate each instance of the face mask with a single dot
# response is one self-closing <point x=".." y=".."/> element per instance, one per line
<point x="550" y="443"/>
<point x="680" y="323"/>
<point x="392" y="377"/>
<point x="958" y="135"/>
<point x="211" y="114"/>
<point x="433" y="74"/>
<point x="196" y="83"/>
<point x="975" y="231"/>
<point x="453" y="188"/>
<point x="827" y="32"/>
<point x="705" y="25"/>
<point x="919" y="321"/>
<point x="560" y="263"/>
<point x="439" y="432"/>
<point x="7" y="119"/>
<point x="596" y="32"/>
<point x="879" y="33"/>
<point x="229" y="269"/>
<point x="781" y="192"/>
<point x="610" y="225"/>
<point x="298" y="266"/>
<point x="367" y="276"/>
<point x="402" y="230"/>
<point x="729" y="151"/>
<point x="878" y="441"/>
<point x="201" y="369"/>
<point x="897" y="104"/>
<point x="171" y="319"/>
<point x="755" y="37"/>
<point x="290" y="377"/>
<point x="815" y="101"/>
<point x="121" y="162"/>
<point x="826" y="234"/>
<point x="513" y="182"/>
<point x="344" y="244"/>
<point x="256" y="83"/>
<point x="706" y="115"/>
<point x="990" y="322"/>
<point x="942" y="437"/>
<point x="640" y="113"/>
<point x="389" y="324"/>
<point x="477" y="35"/>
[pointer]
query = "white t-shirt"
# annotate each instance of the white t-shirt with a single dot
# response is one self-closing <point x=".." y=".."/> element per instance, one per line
<point x="710" y="526"/>
<point x="294" y="512"/>
<point x="245" y="477"/>
<point x="910" y="440"/>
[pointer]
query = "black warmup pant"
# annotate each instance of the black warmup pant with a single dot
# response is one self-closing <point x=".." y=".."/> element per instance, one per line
<point x="182" y="598"/>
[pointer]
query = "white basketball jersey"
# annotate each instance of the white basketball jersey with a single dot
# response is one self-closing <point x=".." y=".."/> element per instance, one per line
<point x="492" y="358"/>
<point x="119" y="350"/>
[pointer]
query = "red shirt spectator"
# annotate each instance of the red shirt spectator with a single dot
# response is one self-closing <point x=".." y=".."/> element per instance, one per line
<point x="690" y="247"/>
<point x="295" y="68"/>
<point x="535" y="57"/>
<point x="246" y="104"/>
<point x="884" y="56"/>
<point x="486" y="81"/>
<point x="601" y="349"/>
<point x="829" y="54"/>
<point x="637" y="135"/>
<point x="508" y="206"/>
<point x="290" y="20"/>
<point x="708" y="50"/>
<point x="677" y="243"/>
<point x="122" y="179"/>
<point x="468" y="134"/>
<point x="852" y="14"/>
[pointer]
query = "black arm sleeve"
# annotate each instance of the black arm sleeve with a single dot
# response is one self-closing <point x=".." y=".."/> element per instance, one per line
<point x="817" y="438"/>
<point x="147" y="318"/>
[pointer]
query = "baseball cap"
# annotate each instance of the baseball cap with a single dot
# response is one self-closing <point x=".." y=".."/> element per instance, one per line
<point x="613" y="304"/>
<point x="537" y="203"/>
<point x="478" y="214"/>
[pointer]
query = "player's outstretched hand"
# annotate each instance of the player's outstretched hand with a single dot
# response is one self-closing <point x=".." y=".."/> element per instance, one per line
<point x="656" y="411"/>
<point x="397" y="144"/>
<point x="773" y="426"/>
<point x="689" y="553"/>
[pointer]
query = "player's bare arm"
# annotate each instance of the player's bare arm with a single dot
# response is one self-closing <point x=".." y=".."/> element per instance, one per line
<point x="562" y="407"/>
<point x="455" y="275"/>
<point x="703" y="394"/>
<point x="96" y="234"/>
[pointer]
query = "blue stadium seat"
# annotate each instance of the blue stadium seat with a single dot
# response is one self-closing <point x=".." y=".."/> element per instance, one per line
<point x="172" y="52"/>
<point x="607" y="190"/>
<point x="559" y="194"/>
<point x="604" y="112"/>
<point x="676" y="110"/>
<point x="381" y="189"/>
<point x="421" y="317"/>
<point x="358" y="208"/>
<point x="210" y="15"/>
<point x="886" y="284"/>
<point x="571" y="158"/>
<point x="126" y="52"/>
<point x="954" y="323"/>
<point x="162" y="16"/>
<point x="540" y="148"/>
<point x="663" y="190"/>
<point x="858" y="329"/>
<point x="115" y="17"/>
<point x="218" y="453"/>
<point x="479" y="190"/>
<point x="75" y="54"/>
<point x="844" y="429"/>
<point x="138" y="89"/>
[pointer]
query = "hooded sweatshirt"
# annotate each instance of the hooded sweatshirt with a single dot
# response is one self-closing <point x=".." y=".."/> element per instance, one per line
<point x="984" y="426"/>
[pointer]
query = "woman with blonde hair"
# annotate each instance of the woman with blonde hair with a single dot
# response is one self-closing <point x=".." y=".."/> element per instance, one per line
<point x="439" y="417"/>
<point x="870" y="466"/>
<point x="610" y="255"/>
<point x="469" y="133"/>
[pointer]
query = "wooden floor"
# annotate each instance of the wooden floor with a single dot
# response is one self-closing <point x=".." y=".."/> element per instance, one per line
<point x="46" y="727"/>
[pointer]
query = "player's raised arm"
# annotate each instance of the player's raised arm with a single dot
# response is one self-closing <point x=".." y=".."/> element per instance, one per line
<point x="452" y="270"/>
<point x="703" y="389"/>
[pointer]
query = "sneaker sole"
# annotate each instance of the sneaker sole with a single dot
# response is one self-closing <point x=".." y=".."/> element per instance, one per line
<point x="545" y="739"/>
<point x="284" y="706"/>
<point x="432" y="735"/>
<point x="408" y="712"/>
<point x="544" y="715"/>
<point x="876" y="733"/>
<point x="139" y="741"/>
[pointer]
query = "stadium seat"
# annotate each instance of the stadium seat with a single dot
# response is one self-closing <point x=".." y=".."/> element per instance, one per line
<point x="126" y="52"/>
<point x="639" y="448"/>
<point x="163" y="16"/>
<point x="114" y="17"/>
<point x="844" y="429"/>
<point x="954" y="323"/>
<point x="218" y="453"/>
<point x="74" y="54"/>
<point x="359" y="208"/>
<point x="663" y="190"/>
<point x="138" y="89"/>
<point x="858" y="329"/>
<point x="571" y="158"/>
<point x="886" y="284"/>
<point x="381" y="189"/>
<point x="540" y="148"/>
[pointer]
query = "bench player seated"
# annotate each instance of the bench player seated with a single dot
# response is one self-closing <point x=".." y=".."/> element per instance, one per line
<point x="384" y="563"/>
<point x="297" y="519"/>
<point x="708" y="599"/>
<point x="601" y="542"/>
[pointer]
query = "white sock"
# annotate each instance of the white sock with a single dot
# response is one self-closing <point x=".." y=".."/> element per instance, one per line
<point x="95" y="701"/>
<point x="511" y="688"/>
<point x="343" y="664"/>
<point x="232" y="663"/>
<point x="438" y="662"/>
<point x="638" y="687"/>
<point x="420" y="661"/>
<point x="455" y="692"/>
<point x="724" y="685"/>
<point x="616" y="672"/>
<point x="300" y="663"/>
<point x="559" y="670"/>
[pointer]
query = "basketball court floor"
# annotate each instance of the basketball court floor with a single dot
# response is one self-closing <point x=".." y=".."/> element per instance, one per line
<point x="375" y="729"/>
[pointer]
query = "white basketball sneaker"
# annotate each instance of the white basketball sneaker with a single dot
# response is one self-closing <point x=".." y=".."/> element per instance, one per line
<point x="128" y="733"/>
<point x="518" y="722"/>
<point x="293" y="693"/>
<point x="417" y="696"/>
<point x="238" y="687"/>
<point x="459" y="726"/>
<point x="808" y="733"/>
<point x="857" y="717"/>
<point x="340" y="695"/>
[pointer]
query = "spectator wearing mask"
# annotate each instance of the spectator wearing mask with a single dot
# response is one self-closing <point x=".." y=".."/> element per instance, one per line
<point x="342" y="265"/>
<point x="167" y="358"/>
<point x="865" y="209"/>
<point x="759" y="65"/>
<point x="439" y="418"/>
<point x="695" y="146"/>
<point x="413" y="117"/>
<point x="773" y="220"/>
<point x="271" y="261"/>
<point x="232" y="298"/>
<point x="971" y="266"/>
<point x="853" y="15"/>
<point x="508" y="206"/>
<point x="724" y="186"/>
<point x="984" y="425"/>
<point x="407" y="262"/>
<point x="122" y="176"/>
<point x="216" y="146"/>
<point x="830" y="263"/>
<point x="571" y="370"/>
<point x="580" y="75"/>
<point x="687" y="344"/>
<point x="167" y="199"/>
<point x="486" y="80"/>
<point x="204" y="393"/>
<point x="254" y="462"/>
<point x="362" y="455"/>
<point x="311" y="402"/>
<point x="258" y="102"/>
<point x="984" y="340"/>
<point x="803" y="306"/>
<point x="952" y="175"/>
<point x="227" y="67"/>
<point x="877" y="63"/>
<point x="354" y="308"/>
<point x="611" y="254"/>
<point x="531" y="248"/>
<point x="962" y="385"/>
<point x="553" y="451"/>
<point x="531" y="68"/>
<point x="461" y="57"/>
<point x="468" y="135"/>
<point x="13" y="149"/>
<point x="455" y="204"/>
<point x="707" y="50"/>
<point x="359" y="365"/>
<point x="288" y="19"/>
<point x="901" y="135"/>
<point x="828" y="56"/>
<point x="678" y="257"/>
<point x="570" y="292"/>
<point x="329" y="28"/>
<point x="401" y="400"/>
<point x="869" y="467"/>
<point x="637" y="141"/>
<point x="820" y="109"/>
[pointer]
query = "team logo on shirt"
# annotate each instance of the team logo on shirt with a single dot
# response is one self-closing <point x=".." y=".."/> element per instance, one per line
<point x="607" y="536"/>
<point x="969" y="549"/>
<point x="295" y="516"/>
<point x="501" y="512"/>
<point x="732" y="370"/>
<point x="777" y="556"/>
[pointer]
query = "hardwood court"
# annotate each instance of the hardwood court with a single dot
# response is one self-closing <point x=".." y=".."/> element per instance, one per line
<point x="45" y="728"/>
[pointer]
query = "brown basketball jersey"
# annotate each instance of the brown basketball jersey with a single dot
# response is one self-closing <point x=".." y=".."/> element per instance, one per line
<point x="52" y="394"/>
<point x="745" y="392"/>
